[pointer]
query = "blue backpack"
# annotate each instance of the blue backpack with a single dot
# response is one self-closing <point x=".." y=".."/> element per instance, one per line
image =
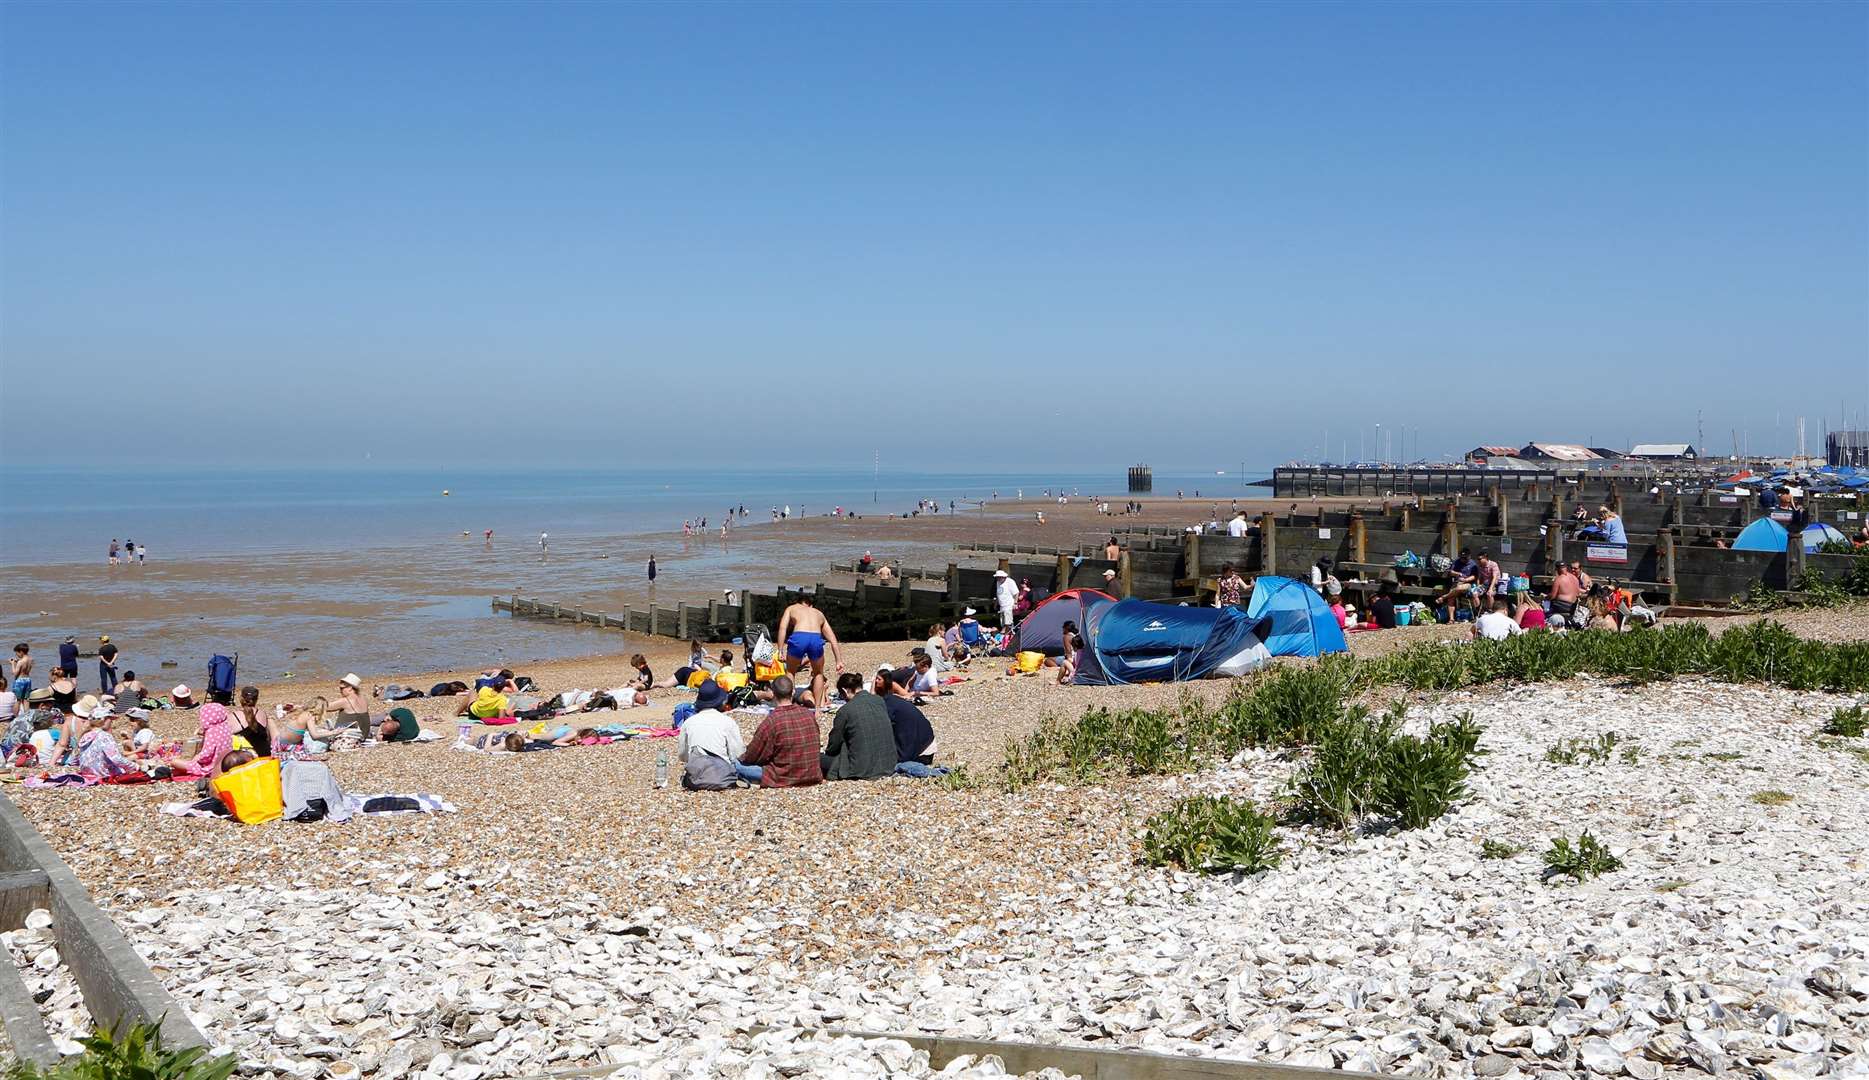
<point x="222" y="674"/>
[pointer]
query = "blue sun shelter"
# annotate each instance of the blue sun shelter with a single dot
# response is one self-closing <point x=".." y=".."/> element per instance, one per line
<point x="1302" y="623"/>
<point x="1762" y="535"/>
<point x="1817" y="534"/>
<point x="1133" y="641"/>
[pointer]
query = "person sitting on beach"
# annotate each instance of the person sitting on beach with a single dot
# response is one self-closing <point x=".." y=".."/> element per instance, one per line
<point x="967" y="630"/>
<point x="1565" y="592"/>
<point x="352" y="707"/>
<point x="914" y="735"/>
<point x="784" y="750"/>
<point x="130" y="690"/>
<point x="1382" y="607"/>
<point x="885" y="574"/>
<point x="864" y="564"/>
<point x="1072" y="643"/>
<point x="448" y="689"/>
<point x="99" y="753"/>
<point x="1531" y="614"/>
<point x="709" y="733"/>
<point x="142" y="736"/>
<point x="215" y="739"/>
<point x="924" y="682"/>
<point x="1462" y="574"/>
<point x="250" y="725"/>
<point x="806" y="633"/>
<point x="862" y="742"/>
<point x="501" y="681"/>
<point x="64" y="689"/>
<point x="1340" y="612"/>
<point x="644" y="679"/>
<point x="1496" y="625"/>
<point x="1487" y="579"/>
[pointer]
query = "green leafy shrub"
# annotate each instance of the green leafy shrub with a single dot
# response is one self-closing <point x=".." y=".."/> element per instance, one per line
<point x="1421" y="779"/>
<point x="1771" y="797"/>
<point x="1587" y="858"/>
<point x="1338" y="785"/>
<point x="138" y="1055"/>
<point x="1212" y="833"/>
<point x="1848" y="722"/>
<point x="1499" y="849"/>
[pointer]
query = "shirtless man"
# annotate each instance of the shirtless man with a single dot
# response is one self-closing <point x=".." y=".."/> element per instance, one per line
<point x="1565" y="591"/>
<point x="22" y="671"/>
<point x="805" y="632"/>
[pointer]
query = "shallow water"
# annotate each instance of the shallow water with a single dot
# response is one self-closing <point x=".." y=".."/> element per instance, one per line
<point x="323" y="572"/>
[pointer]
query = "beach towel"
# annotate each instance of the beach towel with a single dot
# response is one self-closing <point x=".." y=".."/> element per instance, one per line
<point x="371" y="805"/>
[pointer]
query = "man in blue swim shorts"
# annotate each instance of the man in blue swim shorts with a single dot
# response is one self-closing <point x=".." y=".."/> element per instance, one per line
<point x="805" y="632"/>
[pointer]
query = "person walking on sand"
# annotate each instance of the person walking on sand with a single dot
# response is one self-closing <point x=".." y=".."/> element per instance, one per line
<point x="489" y="538"/>
<point x="543" y="548"/>
<point x="652" y="571"/>
<point x="804" y="632"/>
<point x="141" y="554"/>
<point x="114" y="549"/>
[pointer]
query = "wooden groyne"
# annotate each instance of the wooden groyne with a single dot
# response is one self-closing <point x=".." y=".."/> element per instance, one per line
<point x="1677" y="554"/>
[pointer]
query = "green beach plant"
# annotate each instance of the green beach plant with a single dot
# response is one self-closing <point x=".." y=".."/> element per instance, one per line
<point x="1586" y="858"/>
<point x="1212" y="833"/>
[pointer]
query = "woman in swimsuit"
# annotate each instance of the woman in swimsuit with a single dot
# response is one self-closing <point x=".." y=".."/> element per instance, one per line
<point x="352" y="707"/>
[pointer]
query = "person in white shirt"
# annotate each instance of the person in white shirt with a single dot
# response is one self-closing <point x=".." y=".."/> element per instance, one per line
<point x="1497" y="625"/>
<point x="1006" y="595"/>
<point x="1236" y="527"/>
<point x="710" y="731"/>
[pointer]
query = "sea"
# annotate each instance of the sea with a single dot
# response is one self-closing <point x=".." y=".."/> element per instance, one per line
<point x="306" y="572"/>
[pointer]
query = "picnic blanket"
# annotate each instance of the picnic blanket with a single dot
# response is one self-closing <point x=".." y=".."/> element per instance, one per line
<point x="353" y="805"/>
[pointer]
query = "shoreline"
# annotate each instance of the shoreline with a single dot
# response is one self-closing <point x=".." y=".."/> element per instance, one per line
<point x="426" y="608"/>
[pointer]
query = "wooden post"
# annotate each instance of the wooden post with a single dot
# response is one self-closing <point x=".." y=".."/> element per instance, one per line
<point x="1006" y="565"/>
<point x="1554" y="543"/>
<point x="1191" y="554"/>
<point x="629" y="620"/>
<point x="681" y="619"/>
<point x="1359" y="538"/>
<point x="713" y="615"/>
<point x="1667" y="565"/>
<point x="953" y="584"/>
<point x="1450" y="531"/>
<point x="1124" y="579"/>
<point x="1062" y="576"/>
<point x="1505" y="526"/>
<point x="1402" y="522"/>
<point x="1794" y="559"/>
<point x="1268" y="543"/>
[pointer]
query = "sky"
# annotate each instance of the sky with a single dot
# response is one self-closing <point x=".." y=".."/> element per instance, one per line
<point x="970" y="235"/>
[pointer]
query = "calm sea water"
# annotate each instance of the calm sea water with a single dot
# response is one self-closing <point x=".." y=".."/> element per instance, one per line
<point x="70" y="516"/>
<point x="316" y="572"/>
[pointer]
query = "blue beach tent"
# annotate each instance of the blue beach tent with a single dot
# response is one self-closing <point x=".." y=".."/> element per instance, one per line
<point x="1768" y="535"/>
<point x="1762" y="535"/>
<point x="1133" y="641"/>
<point x="1302" y="623"/>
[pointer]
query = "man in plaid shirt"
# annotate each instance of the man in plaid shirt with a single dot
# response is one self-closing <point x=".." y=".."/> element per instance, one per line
<point x="784" y="751"/>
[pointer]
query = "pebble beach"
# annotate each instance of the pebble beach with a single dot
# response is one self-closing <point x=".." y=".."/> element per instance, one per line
<point x="572" y="914"/>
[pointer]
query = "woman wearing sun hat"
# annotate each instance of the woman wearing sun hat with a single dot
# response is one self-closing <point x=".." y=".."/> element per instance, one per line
<point x="352" y="707"/>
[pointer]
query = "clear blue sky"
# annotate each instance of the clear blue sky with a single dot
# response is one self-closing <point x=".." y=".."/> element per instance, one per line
<point x="960" y="233"/>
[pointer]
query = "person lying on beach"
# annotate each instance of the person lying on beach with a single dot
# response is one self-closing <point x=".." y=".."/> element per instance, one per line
<point x="514" y="742"/>
<point x="486" y="704"/>
<point x="448" y="689"/>
<point x="501" y="680"/>
<point x="399" y="726"/>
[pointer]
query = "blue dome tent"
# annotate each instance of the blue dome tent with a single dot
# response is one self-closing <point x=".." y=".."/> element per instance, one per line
<point x="1302" y="624"/>
<point x="1133" y="641"/>
<point x="1762" y="535"/>
<point x="1768" y="535"/>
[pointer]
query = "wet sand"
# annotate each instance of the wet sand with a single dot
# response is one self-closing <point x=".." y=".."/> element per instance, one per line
<point x="300" y="616"/>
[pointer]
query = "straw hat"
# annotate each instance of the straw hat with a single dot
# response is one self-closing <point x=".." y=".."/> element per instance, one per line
<point x="351" y="680"/>
<point x="40" y="696"/>
<point x="86" y="706"/>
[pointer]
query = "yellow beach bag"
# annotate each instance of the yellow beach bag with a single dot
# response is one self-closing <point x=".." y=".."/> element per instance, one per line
<point x="697" y="677"/>
<point x="768" y="672"/>
<point x="730" y="680"/>
<point x="1029" y="661"/>
<point x="251" y="792"/>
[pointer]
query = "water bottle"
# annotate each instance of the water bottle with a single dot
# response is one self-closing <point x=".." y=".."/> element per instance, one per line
<point x="661" y="768"/>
